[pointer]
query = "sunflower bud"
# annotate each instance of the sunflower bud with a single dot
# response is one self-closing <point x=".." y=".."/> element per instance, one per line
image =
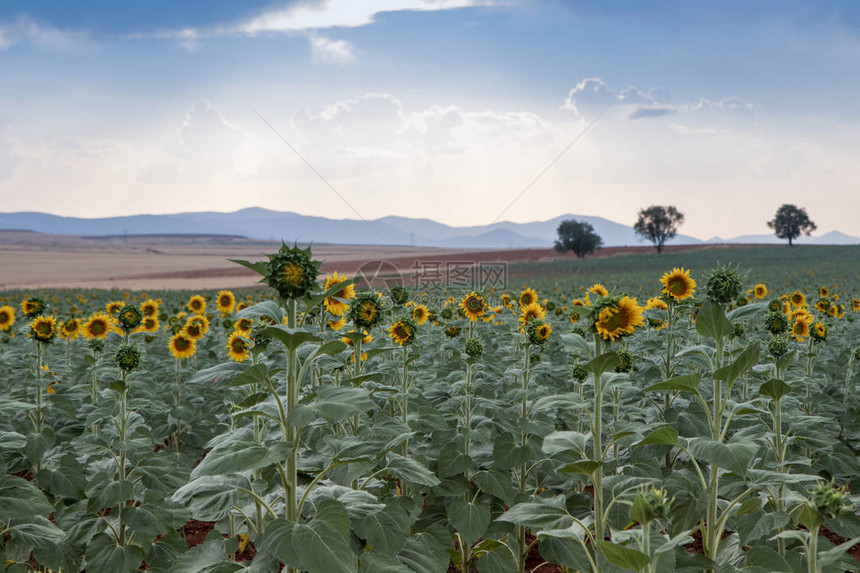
<point x="626" y="364"/>
<point x="292" y="273"/>
<point x="452" y="331"/>
<point x="775" y="322"/>
<point x="830" y="501"/>
<point x="365" y="310"/>
<point x="649" y="504"/>
<point x="724" y="285"/>
<point x="127" y="357"/>
<point x="579" y="373"/>
<point x="130" y="317"/>
<point x="399" y="294"/>
<point x="774" y="305"/>
<point x="778" y="346"/>
<point x="474" y="347"/>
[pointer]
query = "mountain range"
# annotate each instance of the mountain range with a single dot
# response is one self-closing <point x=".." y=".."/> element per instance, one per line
<point x="259" y="223"/>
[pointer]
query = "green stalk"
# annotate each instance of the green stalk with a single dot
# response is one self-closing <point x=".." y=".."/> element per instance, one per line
<point x="37" y="420"/>
<point x="524" y="413"/>
<point x="291" y="510"/>
<point x="123" y="434"/>
<point x="711" y="534"/>
<point x="177" y="443"/>
<point x="597" y="441"/>
<point x="812" y="557"/>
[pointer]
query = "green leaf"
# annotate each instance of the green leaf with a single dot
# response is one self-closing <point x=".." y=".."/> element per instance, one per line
<point x="238" y="454"/>
<point x="575" y="344"/>
<point x="623" y="556"/>
<point x="332" y="404"/>
<point x="742" y="364"/>
<point x="289" y="337"/>
<point x="105" y="556"/>
<point x="258" y="267"/>
<point x="734" y="457"/>
<point x="665" y="436"/>
<point x="470" y="519"/>
<point x="67" y="480"/>
<point x="496" y="483"/>
<point x="12" y="441"/>
<point x="19" y="499"/>
<point x="711" y="321"/>
<point x="565" y="442"/>
<point x="38" y="533"/>
<point x="538" y="515"/>
<point x="256" y="374"/>
<point x="585" y="467"/>
<point x="210" y="498"/>
<point x="277" y="540"/>
<point x="411" y="470"/>
<point x="774" y="389"/>
<point x="833" y="554"/>
<point x="377" y="563"/>
<point x="565" y="552"/>
<point x="604" y="362"/>
<point x="323" y="545"/>
<point x="493" y="557"/>
<point x="385" y="531"/>
<point x="746" y="311"/>
<point x="427" y="552"/>
<point x="509" y="453"/>
<point x="209" y="557"/>
<point x="686" y="383"/>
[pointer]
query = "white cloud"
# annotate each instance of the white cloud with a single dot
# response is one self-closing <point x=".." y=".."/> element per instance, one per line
<point x="27" y="30"/>
<point x="328" y="51"/>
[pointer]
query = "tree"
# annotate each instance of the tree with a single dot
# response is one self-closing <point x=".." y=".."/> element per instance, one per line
<point x="658" y="224"/>
<point x="790" y="222"/>
<point x="577" y="236"/>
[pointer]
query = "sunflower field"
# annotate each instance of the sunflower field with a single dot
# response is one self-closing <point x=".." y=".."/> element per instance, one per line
<point x="701" y="422"/>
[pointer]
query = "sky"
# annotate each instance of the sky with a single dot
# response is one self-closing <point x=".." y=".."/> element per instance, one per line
<point x="463" y="111"/>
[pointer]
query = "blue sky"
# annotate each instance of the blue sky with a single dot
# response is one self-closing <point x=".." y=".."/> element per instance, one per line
<point x="445" y="109"/>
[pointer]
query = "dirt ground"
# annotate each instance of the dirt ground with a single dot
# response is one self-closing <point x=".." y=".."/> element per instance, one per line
<point x="37" y="260"/>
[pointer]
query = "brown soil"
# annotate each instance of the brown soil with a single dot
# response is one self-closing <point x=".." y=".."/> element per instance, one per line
<point x="194" y="532"/>
<point x="838" y="539"/>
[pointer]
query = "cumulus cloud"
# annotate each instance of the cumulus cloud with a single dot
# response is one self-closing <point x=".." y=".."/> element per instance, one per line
<point x="326" y="51"/>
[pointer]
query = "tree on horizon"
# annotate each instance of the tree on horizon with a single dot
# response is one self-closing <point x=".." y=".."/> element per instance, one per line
<point x="658" y="224"/>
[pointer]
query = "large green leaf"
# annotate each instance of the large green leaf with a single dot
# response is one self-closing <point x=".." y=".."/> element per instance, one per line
<point x="711" y="321"/>
<point x="509" y="452"/>
<point x="37" y="533"/>
<point x="210" y="557"/>
<point x="686" y="383"/>
<point x="564" y="551"/>
<point x="210" y="498"/>
<point x="103" y="555"/>
<point x="539" y="515"/>
<point x="665" y="436"/>
<point x="469" y="519"/>
<point x="67" y="480"/>
<point x="742" y="364"/>
<point x="386" y="531"/>
<point x="604" y="362"/>
<point x="734" y="457"/>
<point x="332" y="404"/>
<point x="322" y="545"/>
<point x="411" y="470"/>
<point x="426" y="552"/>
<point x="774" y="389"/>
<point x="565" y="441"/>
<point x="277" y="540"/>
<point x="624" y="556"/>
<point x="19" y="499"/>
<point x="291" y="338"/>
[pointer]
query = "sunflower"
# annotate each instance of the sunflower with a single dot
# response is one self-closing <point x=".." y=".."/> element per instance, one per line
<point x="98" y="326"/>
<point x="33" y="306"/>
<point x="538" y="331"/>
<point x="585" y="301"/>
<point x="181" y="346"/>
<point x="113" y="307"/>
<point x="402" y="332"/>
<point x="797" y="299"/>
<point x="336" y="303"/>
<point x="800" y="314"/>
<point x="365" y="310"/>
<point x="337" y="324"/>
<point x="833" y="311"/>
<point x="149" y="325"/>
<point x="149" y="307"/>
<point x="505" y="300"/>
<point x="420" y="314"/>
<point x="366" y="339"/>
<point x="822" y="305"/>
<point x="225" y="301"/>
<point x="201" y="320"/>
<point x="238" y="347"/>
<point x="528" y="296"/>
<point x="819" y="331"/>
<point x="292" y="272"/>
<point x="194" y="330"/>
<point x="855" y="304"/>
<point x="243" y="326"/>
<point x="598" y="289"/>
<point x="573" y="317"/>
<point x="657" y="303"/>
<point x="7" y="317"/>
<point x="619" y="319"/>
<point x="70" y="329"/>
<point x="760" y="290"/>
<point x="678" y="284"/>
<point x="43" y="328"/>
<point x="130" y="317"/>
<point x="800" y="330"/>
<point x="824" y="292"/>
<point x="473" y="306"/>
<point x="531" y="312"/>
<point x="197" y="304"/>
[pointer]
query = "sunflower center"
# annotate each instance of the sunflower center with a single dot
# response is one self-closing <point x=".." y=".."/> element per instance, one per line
<point x="292" y="273"/>
<point x="182" y="344"/>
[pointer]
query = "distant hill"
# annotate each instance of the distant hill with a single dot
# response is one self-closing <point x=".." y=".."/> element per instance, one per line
<point x="259" y="223"/>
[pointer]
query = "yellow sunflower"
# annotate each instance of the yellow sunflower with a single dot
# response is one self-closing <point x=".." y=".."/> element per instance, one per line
<point x="657" y="303"/>
<point x="473" y="305"/>
<point x="505" y="300"/>
<point x="824" y="292"/>
<point x="238" y="347"/>
<point x="197" y="304"/>
<point x="181" y="346"/>
<point x="243" y="325"/>
<point x="855" y="304"/>
<point x="402" y="332"/>
<point x="335" y="303"/>
<point x="528" y="296"/>
<point x="70" y="329"/>
<point x="678" y="284"/>
<point x="531" y="312"/>
<point x="822" y="305"/>
<point x="193" y="330"/>
<point x="619" y="320"/>
<point x="833" y="310"/>
<point x="760" y="290"/>
<point x="366" y="339"/>
<point x="337" y="324"/>
<point x="800" y="314"/>
<point x="149" y="324"/>
<point x="114" y="307"/>
<point x="43" y="328"/>
<point x="797" y="299"/>
<point x="585" y="301"/>
<point x="98" y="326"/>
<point x="225" y="301"/>
<point x="420" y="314"/>
<point x="800" y="330"/>
<point x="542" y="332"/>
<point x="598" y="289"/>
<point x="149" y="307"/>
<point x="7" y="317"/>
